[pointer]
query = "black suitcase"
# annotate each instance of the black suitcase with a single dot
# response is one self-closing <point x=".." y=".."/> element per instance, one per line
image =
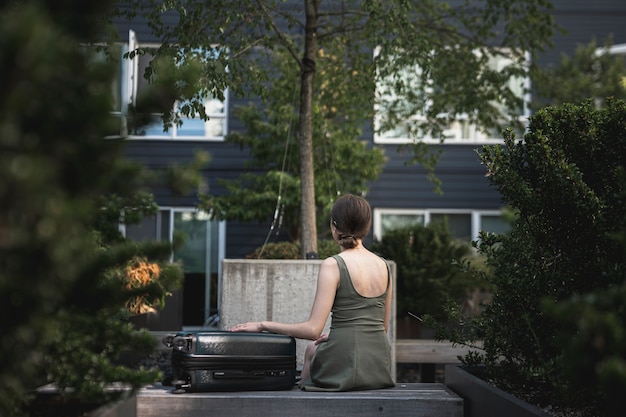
<point x="231" y="361"/>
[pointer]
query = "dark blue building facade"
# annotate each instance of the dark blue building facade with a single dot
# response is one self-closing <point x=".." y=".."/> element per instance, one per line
<point x="402" y="194"/>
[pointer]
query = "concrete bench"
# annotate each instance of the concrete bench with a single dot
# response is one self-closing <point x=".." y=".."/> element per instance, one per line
<point x="414" y="400"/>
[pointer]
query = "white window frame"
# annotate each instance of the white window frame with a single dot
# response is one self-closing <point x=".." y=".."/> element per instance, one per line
<point x="130" y="81"/>
<point x="475" y="217"/>
<point x="617" y="49"/>
<point x="455" y="134"/>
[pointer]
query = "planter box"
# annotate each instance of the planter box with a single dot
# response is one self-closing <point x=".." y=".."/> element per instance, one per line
<point x="481" y="399"/>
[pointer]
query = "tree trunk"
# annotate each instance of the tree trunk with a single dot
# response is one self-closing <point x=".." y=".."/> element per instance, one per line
<point x="308" y="234"/>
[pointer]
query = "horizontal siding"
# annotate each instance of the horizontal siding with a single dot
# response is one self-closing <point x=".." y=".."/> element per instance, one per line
<point x="161" y="153"/>
<point x="464" y="184"/>
<point x="585" y="21"/>
<point x="463" y="178"/>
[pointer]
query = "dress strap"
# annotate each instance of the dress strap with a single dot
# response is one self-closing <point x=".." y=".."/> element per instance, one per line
<point x="343" y="269"/>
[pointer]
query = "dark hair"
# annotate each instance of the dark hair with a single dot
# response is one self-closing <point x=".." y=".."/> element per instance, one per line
<point x="352" y="217"/>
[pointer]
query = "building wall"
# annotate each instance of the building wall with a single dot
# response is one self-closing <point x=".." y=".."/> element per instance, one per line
<point x="463" y="179"/>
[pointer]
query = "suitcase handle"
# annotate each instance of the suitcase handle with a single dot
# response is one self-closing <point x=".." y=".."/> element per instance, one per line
<point x="247" y="374"/>
<point x="238" y="374"/>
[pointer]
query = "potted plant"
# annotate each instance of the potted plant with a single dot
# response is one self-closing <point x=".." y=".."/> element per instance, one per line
<point x="552" y="333"/>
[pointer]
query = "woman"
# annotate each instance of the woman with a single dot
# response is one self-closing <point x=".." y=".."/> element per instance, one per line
<point x="356" y="286"/>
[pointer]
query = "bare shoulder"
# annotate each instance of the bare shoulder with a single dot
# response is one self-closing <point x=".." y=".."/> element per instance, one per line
<point x="329" y="267"/>
<point x="330" y="261"/>
<point x="329" y="271"/>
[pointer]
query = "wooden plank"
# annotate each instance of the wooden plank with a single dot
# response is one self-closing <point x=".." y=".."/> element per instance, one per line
<point x="428" y="351"/>
<point x="407" y="350"/>
<point x="415" y="400"/>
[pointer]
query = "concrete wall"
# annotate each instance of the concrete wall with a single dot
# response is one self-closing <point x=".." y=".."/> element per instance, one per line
<point x="277" y="290"/>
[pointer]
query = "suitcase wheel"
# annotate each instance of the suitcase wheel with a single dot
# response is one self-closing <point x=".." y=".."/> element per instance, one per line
<point x="168" y="340"/>
<point x="180" y="386"/>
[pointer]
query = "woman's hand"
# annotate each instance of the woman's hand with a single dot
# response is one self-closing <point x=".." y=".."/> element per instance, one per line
<point x="323" y="338"/>
<point x="252" y="326"/>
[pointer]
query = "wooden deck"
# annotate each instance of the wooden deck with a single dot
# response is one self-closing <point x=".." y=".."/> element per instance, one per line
<point x="410" y="400"/>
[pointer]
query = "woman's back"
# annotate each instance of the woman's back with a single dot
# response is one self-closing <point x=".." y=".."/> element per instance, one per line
<point x="356" y="355"/>
<point x="367" y="271"/>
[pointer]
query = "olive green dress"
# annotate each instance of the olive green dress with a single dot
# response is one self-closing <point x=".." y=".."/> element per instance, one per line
<point x="357" y="355"/>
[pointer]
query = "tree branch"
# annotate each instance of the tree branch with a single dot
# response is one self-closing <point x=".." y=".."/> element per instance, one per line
<point x="281" y="36"/>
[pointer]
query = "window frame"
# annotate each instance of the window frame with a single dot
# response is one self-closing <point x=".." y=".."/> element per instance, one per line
<point x="131" y="79"/>
<point x="475" y="217"/>
<point x="477" y="138"/>
<point x="161" y="226"/>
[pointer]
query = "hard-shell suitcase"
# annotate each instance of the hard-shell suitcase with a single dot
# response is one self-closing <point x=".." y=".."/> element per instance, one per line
<point x="231" y="361"/>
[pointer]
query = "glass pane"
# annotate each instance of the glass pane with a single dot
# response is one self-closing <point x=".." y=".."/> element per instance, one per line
<point x="459" y="224"/>
<point x="214" y="106"/>
<point x="143" y="61"/>
<point x="145" y="230"/>
<point x="193" y="253"/>
<point x="199" y="257"/>
<point x="215" y="127"/>
<point x="116" y="56"/>
<point x="155" y="128"/>
<point x="397" y="221"/>
<point x="192" y="127"/>
<point x="494" y="224"/>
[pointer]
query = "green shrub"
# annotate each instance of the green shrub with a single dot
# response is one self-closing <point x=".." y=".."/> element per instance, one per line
<point x="564" y="181"/>
<point x="427" y="276"/>
<point x="291" y="250"/>
<point x="327" y="248"/>
<point x="60" y="315"/>
<point x="278" y="250"/>
<point x="594" y="340"/>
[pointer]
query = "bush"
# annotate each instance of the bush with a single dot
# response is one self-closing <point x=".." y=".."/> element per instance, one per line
<point x="560" y="268"/>
<point x="292" y="250"/>
<point x="278" y="250"/>
<point x="62" y="300"/>
<point x="427" y="274"/>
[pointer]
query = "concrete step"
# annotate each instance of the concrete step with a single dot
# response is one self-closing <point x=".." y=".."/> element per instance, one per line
<point x="410" y="400"/>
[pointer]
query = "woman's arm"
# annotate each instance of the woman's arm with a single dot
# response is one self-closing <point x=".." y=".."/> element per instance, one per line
<point x="327" y="282"/>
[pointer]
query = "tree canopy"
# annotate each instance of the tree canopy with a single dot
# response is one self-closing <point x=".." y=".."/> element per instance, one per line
<point x="445" y="46"/>
<point x="591" y="72"/>
<point x="342" y="163"/>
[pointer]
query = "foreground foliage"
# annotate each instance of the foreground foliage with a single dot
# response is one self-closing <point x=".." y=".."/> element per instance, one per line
<point x="554" y="331"/>
<point x="64" y="189"/>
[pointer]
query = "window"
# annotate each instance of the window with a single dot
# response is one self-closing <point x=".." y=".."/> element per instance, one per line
<point x="99" y="54"/>
<point x="132" y="84"/>
<point x="462" y="224"/>
<point x="459" y="130"/>
<point x="201" y="256"/>
<point x="618" y="49"/>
